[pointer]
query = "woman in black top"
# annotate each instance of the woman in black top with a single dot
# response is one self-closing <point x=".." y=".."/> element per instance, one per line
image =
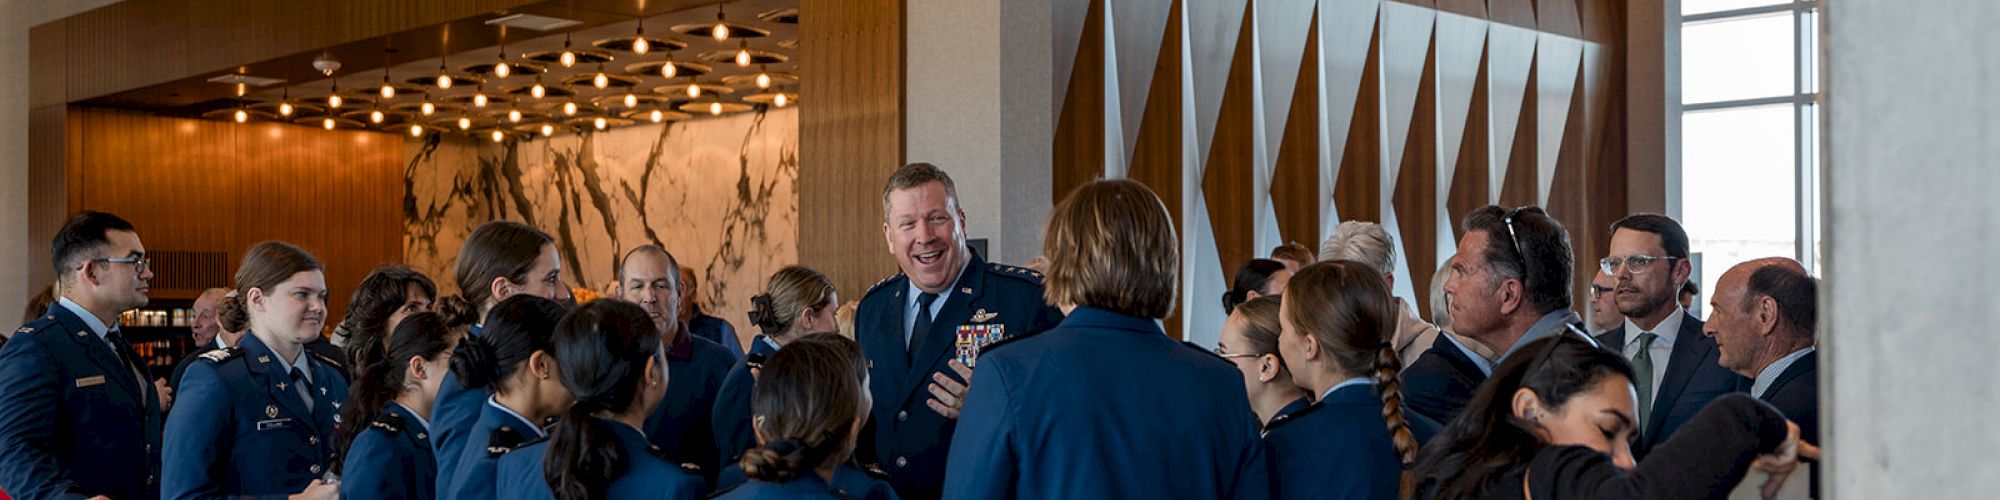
<point x="1558" y="424"/>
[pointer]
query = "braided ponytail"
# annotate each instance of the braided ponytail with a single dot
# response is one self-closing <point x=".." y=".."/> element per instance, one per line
<point x="1387" y="364"/>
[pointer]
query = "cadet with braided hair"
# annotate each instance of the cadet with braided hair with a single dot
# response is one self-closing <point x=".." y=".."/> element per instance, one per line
<point x="1338" y="321"/>
<point x="810" y="404"/>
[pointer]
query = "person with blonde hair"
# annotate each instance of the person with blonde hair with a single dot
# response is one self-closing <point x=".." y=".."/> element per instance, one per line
<point x="797" y="302"/>
<point x="1106" y="405"/>
<point x="1369" y="244"/>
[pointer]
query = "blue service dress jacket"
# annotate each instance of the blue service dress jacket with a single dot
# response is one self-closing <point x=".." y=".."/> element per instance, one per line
<point x="74" y="421"/>
<point x="718" y="331"/>
<point x="809" y="487"/>
<point x="682" y="425"/>
<point x="849" y="481"/>
<point x="497" y="431"/>
<point x="392" y="458"/>
<point x="730" y="416"/>
<point x="648" y="473"/>
<point x="904" y="436"/>
<point x="241" y="429"/>
<point x="457" y="408"/>
<point x="1338" y="447"/>
<point x="1105" y="406"/>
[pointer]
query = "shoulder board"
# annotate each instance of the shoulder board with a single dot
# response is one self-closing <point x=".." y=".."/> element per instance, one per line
<point x="328" y="360"/>
<point x="988" y="348"/>
<point x="1289" y="417"/>
<point x="1016" y="271"/>
<point x="504" y="439"/>
<point x="222" y="354"/>
<point x="882" y="285"/>
<point x="389" y="422"/>
<point x="39" y="323"/>
<point x="875" y="471"/>
<point x="1203" y="350"/>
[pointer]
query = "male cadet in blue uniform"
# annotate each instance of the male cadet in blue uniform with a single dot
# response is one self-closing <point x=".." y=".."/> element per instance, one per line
<point x="649" y="277"/>
<point x="920" y="327"/>
<point x="77" y="419"/>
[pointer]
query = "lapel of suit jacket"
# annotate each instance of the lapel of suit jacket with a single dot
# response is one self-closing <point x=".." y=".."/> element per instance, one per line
<point x="942" y="337"/>
<point x="1806" y="364"/>
<point x="1690" y="349"/>
<point x="99" y="351"/>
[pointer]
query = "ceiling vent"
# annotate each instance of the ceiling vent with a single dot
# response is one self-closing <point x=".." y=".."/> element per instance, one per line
<point x="533" y="22"/>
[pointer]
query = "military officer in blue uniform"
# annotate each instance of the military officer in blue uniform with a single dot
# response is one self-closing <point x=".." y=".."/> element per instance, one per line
<point x="921" y="329"/>
<point x="730" y="416"/>
<point x="1106" y="405"/>
<point x="76" y="417"/>
<point x="649" y="277"/>
<point x="377" y="458"/>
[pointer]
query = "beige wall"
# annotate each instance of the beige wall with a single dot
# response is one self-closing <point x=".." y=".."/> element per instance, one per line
<point x="16" y="16"/>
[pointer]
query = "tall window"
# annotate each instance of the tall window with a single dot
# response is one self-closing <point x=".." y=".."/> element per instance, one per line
<point x="1749" y="132"/>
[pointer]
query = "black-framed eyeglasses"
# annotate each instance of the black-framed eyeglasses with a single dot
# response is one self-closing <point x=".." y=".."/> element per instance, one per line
<point x="1599" y="291"/>
<point x="139" y="264"/>
<point x="1637" y="263"/>
<point x="1219" y="351"/>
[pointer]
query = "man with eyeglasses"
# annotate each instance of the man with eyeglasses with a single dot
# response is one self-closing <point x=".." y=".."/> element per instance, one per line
<point x="1604" y="315"/>
<point x="1509" y="285"/>
<point x="1675" y="365"/>
<point x="78" y="418"/>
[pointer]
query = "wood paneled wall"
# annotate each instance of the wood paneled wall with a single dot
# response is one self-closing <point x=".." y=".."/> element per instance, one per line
<point x="850" y="138"/>
<point x="1290" y="116"/>
<point x="213" y="186"/>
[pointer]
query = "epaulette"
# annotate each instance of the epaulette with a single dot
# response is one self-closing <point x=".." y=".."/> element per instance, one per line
<point x="880" y="285"/>
<point x="387" y="421"/>
<point x="755" y="360"/>
<point x="222" y="354"/>
<point x="988" y="348"/>
<point x="874" y="471"/>
<point x="1203" y="350"/>
<point x="323" y="358"/>
<point x="504" y="439"/>
<point x="690" y="468"/>
<point x="1015" y="271"/>
<point x="1289" y="417"/>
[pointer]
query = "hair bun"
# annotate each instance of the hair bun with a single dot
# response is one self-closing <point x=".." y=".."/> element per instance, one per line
<point x="457" y="311"/>
<point x="230" y="315"/>
<point x="777" y="461"/>
<point x="473" y="361"/>
<point x="762" y="316"/>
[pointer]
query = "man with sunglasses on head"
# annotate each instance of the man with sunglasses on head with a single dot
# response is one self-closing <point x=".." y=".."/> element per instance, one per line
<point x="1509" y="285"/>
<point x="1675" y="364"/>
<point x="77" y="416"/>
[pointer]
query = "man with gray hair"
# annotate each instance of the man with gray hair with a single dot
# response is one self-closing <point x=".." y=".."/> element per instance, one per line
<point x="1368" y="243"/>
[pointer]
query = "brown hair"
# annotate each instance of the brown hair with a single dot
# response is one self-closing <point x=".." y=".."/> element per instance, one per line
<point x="806" y="401"/>
<point x="1295" y="252"/>
<point x="914" y="175"/>
<point x="497" y="249"/>
<point x="377" y="298"/>
<point x="1260" y="317"/>
<point x="792" y="290"/>
<point x="1111" y="245"/>
<point x="265" y="266"/>
<point x="1346" y="306"/>
<point x="38" y="305"/>
<point x="229" y="314"/>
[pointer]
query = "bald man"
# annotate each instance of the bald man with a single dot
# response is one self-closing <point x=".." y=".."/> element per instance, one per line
<point x="1763" y="315"/>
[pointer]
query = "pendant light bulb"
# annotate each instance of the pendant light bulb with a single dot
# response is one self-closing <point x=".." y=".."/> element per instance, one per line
<point x="416" y="131"/>
<point x="479" y="100"/>
<point x="538" y="90"/>
<point x="721" y="30"/>
<point x="763" y="80"/>
<point x="375" y="116"/>
<point x="694" y="90"/>
<point x="600" y="81"/>
<point x="631" y="101"/>
<point x="548" y="130"/>
<point x="502" y="70"/>
<point x="427" y="108"/>
<point x="640" y="46"/>
<point x="242" y="116"/>
<point x="715" y="108"/>
<point x="669" y="69"/>
<point x="742" y="57"/>
<point x="464" y="123"/>
<point x="242" y="89"/>
<point x="567" y="58"/>
<point x="328" y="123"/>
<point x="657" y="116"/>
<point x="514" y="116"/>
<point x="497" y="136"/>
<point x="333" y="101"/>
<point x="444" y="81"/>
<point x="388" y="91"/>
<point x="285" y="109"/>
<point x="779" y="100"/>
<point x="599" y="122"/>
<point x="569" y="108"/>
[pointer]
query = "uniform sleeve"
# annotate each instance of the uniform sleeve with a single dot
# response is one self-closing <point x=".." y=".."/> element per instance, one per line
<point x="197" y="433"/>
<point x="457" y="411"/>
<point x="30" y="389"/>
<point x="1253" y="476"/>
<point x="1705" y="459"/>
<point x="982" y="460"/>
<point x="729" y="421"/>
<point x="372" y="470"/>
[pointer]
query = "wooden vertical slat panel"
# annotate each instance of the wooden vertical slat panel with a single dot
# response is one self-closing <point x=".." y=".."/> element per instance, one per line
<point x="1229" y="180"/>
<point x="1416" y="187"/>
<point x="1357" y="192"/>
<point x="1079" y="141"/>
<point x="1295" y="181"/>
<point x="853" y="139"/>
<point x="1469" y="182"/>
<point x="47" y="190"/>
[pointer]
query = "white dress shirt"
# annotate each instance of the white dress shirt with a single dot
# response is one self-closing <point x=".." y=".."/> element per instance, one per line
<point x="1770" y="374"/>
<point x="1663" y="347"/>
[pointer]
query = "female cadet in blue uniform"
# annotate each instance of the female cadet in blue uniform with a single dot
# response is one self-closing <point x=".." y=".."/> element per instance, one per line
<point x="1337" y="321"/>
<point x="610" y="357"/>
<point x="389" y="294"/>
<point x="257" y="420"/>
<point x="515" y="360"/>
<point x="500" y="259"/>
<point x="1250" y="341"/>
<point x="811" y="400"/>
<point x="1105" y="405"/>
<point x="386" y="452"/>
<point x="797" y="301"/>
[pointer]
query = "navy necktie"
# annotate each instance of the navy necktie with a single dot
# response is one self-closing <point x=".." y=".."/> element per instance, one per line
<point x="923" y="326"/>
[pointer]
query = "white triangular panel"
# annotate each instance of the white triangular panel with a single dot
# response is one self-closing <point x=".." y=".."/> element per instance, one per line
<point x="1406" y="39"/>
<point x="1213" y="27"/>
<point x="1557" y="59"/>
<point x="1281" y="41"/>
<point x="1134" y="29"/>
<point x="1393" y="224"/>
<point x="1204" y="316"/>
<point x="1066" y="26"/>
<point x="1460" y="41"/>
<point x="1510" y="52"/>
<point x="1345" y="29"/>
<point x="1114" y="121"/>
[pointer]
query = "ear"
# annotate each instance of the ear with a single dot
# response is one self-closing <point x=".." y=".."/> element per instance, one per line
<point x="255" y="299"/>
<point x="500" y="289"/>
<point x="1767" y="315"/>
<point x="1390" y="279"/>
<point x="1268" y="367"/>
<point x="541" y="366"/>
<point x="655" y="374"/>
<point x="1311" y="346"/>
<point x="1251" y="294"/>
<point x="1513" y="295"/>
<point x="1683" y="269"/>
<point x="1526" y="405"/>
<point x="888" y="238"/>
<point x="416" y="370"/>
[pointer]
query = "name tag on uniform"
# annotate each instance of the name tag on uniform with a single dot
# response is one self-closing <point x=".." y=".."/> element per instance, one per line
<point x="274" y="424"/>
<point x="90" y="381"/>
<point x="973" y="337"/>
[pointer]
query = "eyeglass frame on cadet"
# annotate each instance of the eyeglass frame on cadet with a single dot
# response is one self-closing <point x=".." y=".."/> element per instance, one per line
<point x="1228" y="355"/>
<point x="140" y="264"/>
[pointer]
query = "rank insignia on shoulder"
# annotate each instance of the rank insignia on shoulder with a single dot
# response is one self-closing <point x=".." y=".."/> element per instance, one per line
<point x="25" y="329"/>
<point x="390" y="422"/>
<point x="504" y="439"/>
<point x="327" y="359"/>
<point x="221" y="355"/>
<point x="690" y="468"/>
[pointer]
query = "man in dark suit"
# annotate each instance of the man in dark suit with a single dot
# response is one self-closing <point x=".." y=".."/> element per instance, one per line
<point x="1762" y="315"/>
<point x="1509" y="285"/>
<point x="920" y="328"/>
<point x="1675" y="365"/>
<point x="649" y="277"/>
<point x="77" y="417"/>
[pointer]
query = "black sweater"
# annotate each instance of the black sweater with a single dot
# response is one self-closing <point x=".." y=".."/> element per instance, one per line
<point x="1706" y="459"/>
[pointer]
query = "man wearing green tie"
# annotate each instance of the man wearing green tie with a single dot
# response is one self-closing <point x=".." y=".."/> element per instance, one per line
<point x="1675" y="364"/>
